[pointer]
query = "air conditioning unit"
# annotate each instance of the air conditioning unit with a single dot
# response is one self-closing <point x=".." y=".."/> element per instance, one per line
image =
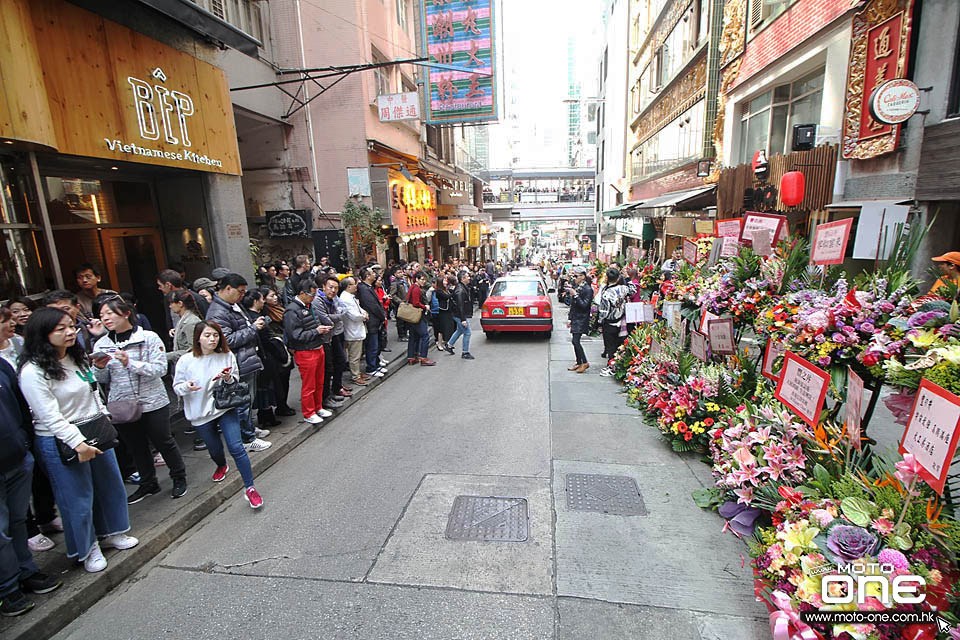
<point x="804" y="137"/>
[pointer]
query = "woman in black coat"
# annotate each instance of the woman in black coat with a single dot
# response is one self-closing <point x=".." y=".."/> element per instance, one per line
<point x="580" y="298"/>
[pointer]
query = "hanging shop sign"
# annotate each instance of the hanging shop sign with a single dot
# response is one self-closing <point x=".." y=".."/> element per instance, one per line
<point x="879" y="52"/>
<point x="894" y="101"/>
<point x="126" y="98"/>
<point x="460" y="42"/>
<point x="398" y="106"/>
<point x="292" y="223"/>
<point x="473" y="234"/>
<point x="454" y="196"/>
<point x="413" y="205"/>
<point x="454" y="225"/>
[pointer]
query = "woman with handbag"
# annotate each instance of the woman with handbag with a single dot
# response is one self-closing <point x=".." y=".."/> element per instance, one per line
<point x="208" y="380"/>
<point x="445" y="323"/>
<point x="74" y="438"/>
<point x="414" y="312"/>
<point x="133" y="362"/>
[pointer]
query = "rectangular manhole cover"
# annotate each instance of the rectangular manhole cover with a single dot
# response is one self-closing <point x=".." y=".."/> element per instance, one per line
<point x="613" y="495"/>
<point x="488" y="519"/>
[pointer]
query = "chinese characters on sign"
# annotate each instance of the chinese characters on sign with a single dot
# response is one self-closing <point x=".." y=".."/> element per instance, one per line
<point x="762" y="245"/>
<point x="720" y="333"/>
<point x="830" y="242"/>
<point x="291" y="223"/>
<point x="774" y="350"/>
<point x="853" y="403"/>
<point x="931" y="432"/>
<point x="731" y="246"/>
<point x="638" y="312"/>
<point x="698" y="345"/>
<point x="802" y="387"/>
<point x="413" y="205"/>
<point x="728" y="228"/>
<point x="398" y="106"/>
<point x="460" y="34"/>
<point x="689" y="251"/>
<point x="753" y="222"/>
<point x="879" y="52"/>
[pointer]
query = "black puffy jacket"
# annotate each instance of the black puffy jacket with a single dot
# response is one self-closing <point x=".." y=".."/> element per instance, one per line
<point x="15" y="424"/>
<point x="580" y="302"/>
<point x="300" y="327"/>
<point x="242" y="337"/>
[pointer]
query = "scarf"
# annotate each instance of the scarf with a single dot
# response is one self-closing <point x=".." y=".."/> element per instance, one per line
<point x="275" y="311"/>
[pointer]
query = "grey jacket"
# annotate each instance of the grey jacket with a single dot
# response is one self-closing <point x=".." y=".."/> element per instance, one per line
<point x="141" y="378"/>
<point x="326" y="315"/>
<point x="183" y="336"/>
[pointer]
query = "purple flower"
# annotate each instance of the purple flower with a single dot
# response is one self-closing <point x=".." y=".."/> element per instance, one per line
<point x="886" y="307"/>
<point x="824" y="361"/>
<point x="924" y="318"/>
<point x="867" y="327"/>
<point x="894" y="557"/>
<point x="838" y="337"/>
<point x="848" y="543"/>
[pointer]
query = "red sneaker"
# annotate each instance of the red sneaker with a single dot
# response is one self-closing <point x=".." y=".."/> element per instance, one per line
<point x="345" y="388"/>
<point x="221" y="473"/>
<point x="345" y="393"/>
<point x="253" y="498"/>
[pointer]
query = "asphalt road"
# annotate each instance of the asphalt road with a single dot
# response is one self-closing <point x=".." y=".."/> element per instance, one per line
<point x="352" y="540"/>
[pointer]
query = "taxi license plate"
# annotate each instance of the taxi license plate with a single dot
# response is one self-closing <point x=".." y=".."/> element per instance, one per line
<point x="515" y="311"/>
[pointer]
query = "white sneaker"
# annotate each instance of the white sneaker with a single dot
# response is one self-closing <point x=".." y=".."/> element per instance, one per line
<point x="119" y="541"/>
<point x="376" y="374"/>
<point x="261" y="433"/>
<point x="383" y="362"/>
<point x="257" y="445"/>
<point x="40" y="542"/>
<point x="314" y="419"/>
<point x="323" y="413"/>
<point x="95" y="561"/>
<point x="606" y="373"/>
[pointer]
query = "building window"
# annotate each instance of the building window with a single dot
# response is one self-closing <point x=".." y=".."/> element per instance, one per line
<point x="402" y="14"/>
<point x="763" y="12"/>
<point x="243" y="14"/>
<point x="381" y="75"/>
<point x="700" y="11"/>
<point x="25" y="266"/>
<point x="953" y="104"/>
<point x="767" y="120"/>
<point x="677" y="143"/>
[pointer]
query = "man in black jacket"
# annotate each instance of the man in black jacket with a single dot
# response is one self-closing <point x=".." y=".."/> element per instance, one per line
<point x="304" y="335"/>
<point x="18" y="571"/>
<point x="462" y="312"/>
<point x="370" y="303"/>
<point x="292" y="287"/>
<point x="244" y="341"/>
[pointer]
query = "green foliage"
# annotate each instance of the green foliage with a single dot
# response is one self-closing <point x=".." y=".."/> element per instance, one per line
<point x="945" y="374"/>
<point x="364" y="223"/>
<point x="746" y="265"/>
<point x="708" y="497"/>
<point x="846" y="486"/>
<point x="857" y="510"/>
<point x="796" y="259"/>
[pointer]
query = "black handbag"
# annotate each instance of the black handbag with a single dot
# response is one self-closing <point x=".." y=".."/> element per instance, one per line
<point x="231" y="395"/>
<point x="98" y="432"/>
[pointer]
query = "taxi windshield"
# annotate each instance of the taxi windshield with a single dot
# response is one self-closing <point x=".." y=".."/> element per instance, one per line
<point x="517" y="288"/>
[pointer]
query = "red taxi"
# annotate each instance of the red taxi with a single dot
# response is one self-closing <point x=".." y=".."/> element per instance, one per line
<point x="517" y="303"/>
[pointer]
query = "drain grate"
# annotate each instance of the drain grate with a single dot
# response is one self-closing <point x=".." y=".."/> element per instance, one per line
<point x="613" y="495"/>
<point x="488" y="519"/>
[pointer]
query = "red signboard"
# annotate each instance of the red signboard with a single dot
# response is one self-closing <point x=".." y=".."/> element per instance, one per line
<point x="932" y="432"/>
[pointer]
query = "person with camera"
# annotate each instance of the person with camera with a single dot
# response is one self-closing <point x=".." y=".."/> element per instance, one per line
<point x="131" y="361"/>
<point x="60" y="387"/>
<point x="304" y="336"/>
<point x="199" y="372"/>
<point x="579" y="295"/>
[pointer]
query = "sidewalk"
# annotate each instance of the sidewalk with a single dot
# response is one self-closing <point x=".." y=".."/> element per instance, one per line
<point x="159" y="520"/>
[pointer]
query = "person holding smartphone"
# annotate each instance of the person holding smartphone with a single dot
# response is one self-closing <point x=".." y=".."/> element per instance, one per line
<point x="197" y="375"/>
<point x="60" y="387"/>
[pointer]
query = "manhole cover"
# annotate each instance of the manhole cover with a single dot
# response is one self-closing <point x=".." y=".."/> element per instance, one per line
<point x="488" y="519"/>
<point x="613" y="495"/>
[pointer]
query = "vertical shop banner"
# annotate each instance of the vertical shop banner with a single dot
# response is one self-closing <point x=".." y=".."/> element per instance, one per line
<point x="854" y="402"/>
<point x="931" y="433"/>
<point x="460" y="36"/>
<point x="830" y="242"/>
<point x="802" y="387"/>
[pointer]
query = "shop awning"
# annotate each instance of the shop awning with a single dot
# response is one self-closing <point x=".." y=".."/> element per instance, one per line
<point x="621" y="211"/>
<point x="857" y="204"/>
<point x="679" y="198"/>
<point x="437" y="169"/>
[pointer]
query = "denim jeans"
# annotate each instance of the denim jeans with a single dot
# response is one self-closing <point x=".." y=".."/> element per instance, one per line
<point x="461" y="331"/>
<point x="371" y="350"/>
<point x="230" y="428"/>
<point x="16" y="561"/>
<point x="244" y="413"/>
<point x="419" y="339"/>
<point x="91" y="497"/>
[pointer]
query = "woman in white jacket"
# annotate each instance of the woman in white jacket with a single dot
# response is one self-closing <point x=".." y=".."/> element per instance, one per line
<point x="198" y="373"/>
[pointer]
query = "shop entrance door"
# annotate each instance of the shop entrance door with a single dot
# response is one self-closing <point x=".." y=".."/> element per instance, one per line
<point x="134" y="257"/>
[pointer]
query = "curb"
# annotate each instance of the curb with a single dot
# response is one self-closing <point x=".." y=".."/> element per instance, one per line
<point x="88" y="589"/>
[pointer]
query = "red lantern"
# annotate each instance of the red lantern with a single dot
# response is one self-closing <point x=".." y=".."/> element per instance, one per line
<point x="791" y="188"/>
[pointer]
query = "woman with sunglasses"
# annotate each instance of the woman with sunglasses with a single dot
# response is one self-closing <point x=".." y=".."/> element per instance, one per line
<point x="61" y="389"/>
<point x="198" y="374"/>
<point x="132" y="361"/>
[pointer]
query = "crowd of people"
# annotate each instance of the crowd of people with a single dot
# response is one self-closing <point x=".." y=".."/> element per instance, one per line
<point x="87" y="384"/>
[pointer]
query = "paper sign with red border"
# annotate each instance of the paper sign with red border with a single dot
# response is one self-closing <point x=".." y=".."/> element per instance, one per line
<point x="853" y="404"/>
<point x="730" y="247"/>
<point x="753" y="221"/>
<point x="796" y="376"/>
<point x="729" y="228"/>
<point x="932" y="433"/>
<point x="830" y="242"/>
<point x="690" y="251"/>
<point x="773" y="350"/>
<point x="705" y="317"/>
<point x="720" y="333"/>
<point x="698" y="346"/>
